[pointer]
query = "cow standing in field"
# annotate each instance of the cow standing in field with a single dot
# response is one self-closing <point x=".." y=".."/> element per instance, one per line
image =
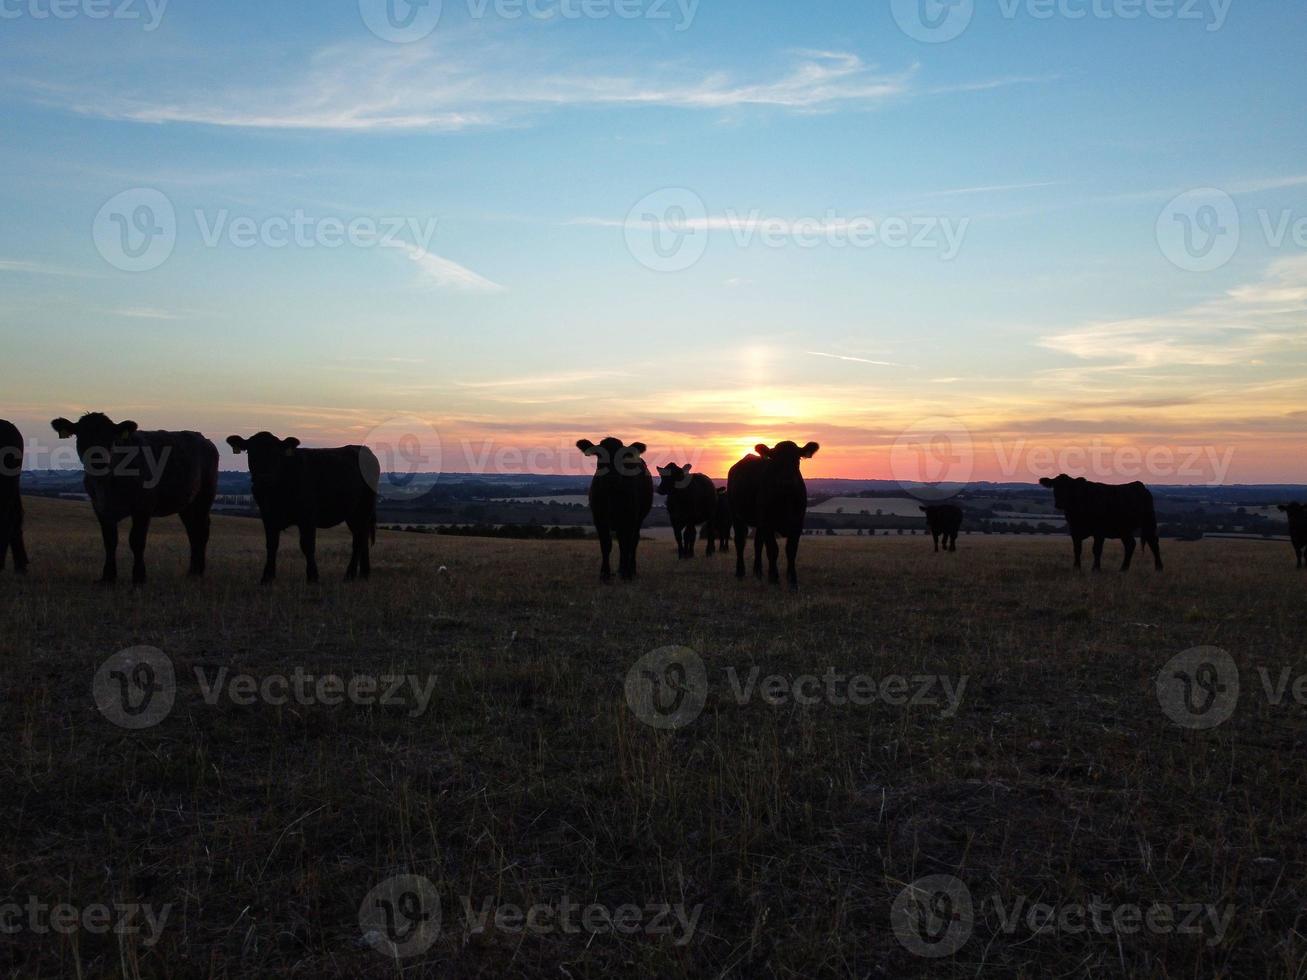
<point x="691" y="502"/>
<point x="132" y="473"/>
<point x="944" y="521"/>
<point x="721" y="521"/>
<point x="767" y="493"/>
<point x="621" y="496"/>
<point x="1101" y="511"/>
<point x="312" y="489"/>
<point x="1297" y="530"/>
<point x="11" y="497"/>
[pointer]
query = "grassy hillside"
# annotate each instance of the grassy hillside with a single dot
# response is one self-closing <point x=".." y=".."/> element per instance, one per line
<point x="529" y="778"/>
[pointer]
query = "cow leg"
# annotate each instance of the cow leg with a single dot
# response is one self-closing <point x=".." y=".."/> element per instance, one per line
<point x="1098" y="553"/>
<point x="626" y="543"/>
<point x="309" y="545"/>
<point x="109" y="534"/>
<point x="1150" y="541"/>
<point x="759" y="539"/>
<point x="136" y="540"/>
<point x="605" y="550"/>
<point x="1299" y="553"/>
<point x="691" y="536"/>
<point x="352" y="569"/>
<point x="791" y="557"/>
<point x="773" y="553"/>
<point x="680" y="540"/>
<point x="1077" y="545"/>
<point x="741" y="533"/>
<point x="1129" y="542"/>
<point x="365" y="548"/>
<point x="953" y="541"/>
<point x="6" y="534"/>
<point x="197" y="531"/>
<point x="272" y="540"/>
<point x="935" y="535"/>
<point x="710" y="536"/>
<point x="20" y="549"/>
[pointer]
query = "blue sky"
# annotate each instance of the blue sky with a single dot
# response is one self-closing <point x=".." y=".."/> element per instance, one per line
<point x="1050" y="147"/>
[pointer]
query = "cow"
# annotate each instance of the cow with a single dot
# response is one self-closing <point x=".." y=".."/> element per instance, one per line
<point x="767" y="493"/>
<point x="944" y="521"/>
<point x="11" y="498"/>
<point x="621" y="496"/>
<point x="721" y="521"/>
<point x="1100" y="511"/>
<point x="312" y="489"/>
<point x="691" y="502"/>
<point x="1297" y="530"/>
<point x="129" y="472"/>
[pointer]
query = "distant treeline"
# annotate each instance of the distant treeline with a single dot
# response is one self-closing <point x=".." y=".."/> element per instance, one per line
<point x="516" y="532"/>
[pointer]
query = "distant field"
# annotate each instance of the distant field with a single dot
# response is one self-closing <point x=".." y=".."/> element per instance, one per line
<point x="530" y="779"/>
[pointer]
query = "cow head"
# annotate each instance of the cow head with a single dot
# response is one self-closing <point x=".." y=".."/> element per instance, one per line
<point x="785" y="457"/>
<point x="1297" y="512"/>
<point x="270" y="457"/>
<point x="673" y="478"/>
<point x="96" y="434"/>
<point x="615" y="457"/>
<point x="1067" y="490"/>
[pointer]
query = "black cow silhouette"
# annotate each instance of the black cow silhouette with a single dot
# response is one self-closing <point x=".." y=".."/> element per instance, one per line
<point x="944" y="521"/>
<point x="767" y="493"/>
<point x="11" y="497"/>
<point x="691" y="502"/>
<point x="621" y="496"/>
<point x="311" y="489"/>
<point x="1101" y="511"/>
<point x="129" y="472"/>
<point x="721" y="521"/>
<point x="1297" y="514"/>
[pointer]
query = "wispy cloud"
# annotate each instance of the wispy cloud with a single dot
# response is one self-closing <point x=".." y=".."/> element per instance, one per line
<point x="443" y="87"/>
<point x="543" y="381"/>
<point x="857" y="360"/>
<point x="41" y="269"/>
<point x="447" y="274"/>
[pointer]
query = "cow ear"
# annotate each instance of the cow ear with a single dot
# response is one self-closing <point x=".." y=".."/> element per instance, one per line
<point x="809" y="451"/>
<point x="762" y="450"/>
<point x="288" y="446"/>
<point x="925" y="508"/>
<point x="127" y="429"/>
<point x="1046" y="482"/>
<point x="586" y="446"/>
<point x="64" y="428"/>
<point x="685" y="468"/>
<point x="237" y="444"/>
<point x="638" y="448"/>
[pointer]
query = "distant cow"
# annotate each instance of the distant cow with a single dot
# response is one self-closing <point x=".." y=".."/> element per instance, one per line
<point x="1099" y="511"/>
<point x="721" y="521"/>
<point x="11" y="498"/>
<point x="691" y="503"/>
<point x="311" y="489"/>
<point x="141" y="475"/>
<point x="944" y="521"/>
<point x="767" y="492"/>
<point x="1297" y="530"/>
<point x="621" y="496"/>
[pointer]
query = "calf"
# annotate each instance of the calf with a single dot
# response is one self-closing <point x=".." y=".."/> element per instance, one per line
<point x="311" y="489"/>
<point x="142" y="475"/>
<point x="1101" y="511"/>
<point x="1297" y="530"/>
<point x="691" y="502"/>
<point x="767" y="492"/>
<point x="944" y="521"/>
<point x="621" y="496"/>
<point x="721" y="521"/>
<point x="11" y="498"/>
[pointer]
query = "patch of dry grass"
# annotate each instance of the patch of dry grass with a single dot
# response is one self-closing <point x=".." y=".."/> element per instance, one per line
<point x="528" y="778"/>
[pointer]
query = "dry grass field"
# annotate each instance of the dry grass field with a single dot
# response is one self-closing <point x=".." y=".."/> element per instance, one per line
<point x="784" y="832"/>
